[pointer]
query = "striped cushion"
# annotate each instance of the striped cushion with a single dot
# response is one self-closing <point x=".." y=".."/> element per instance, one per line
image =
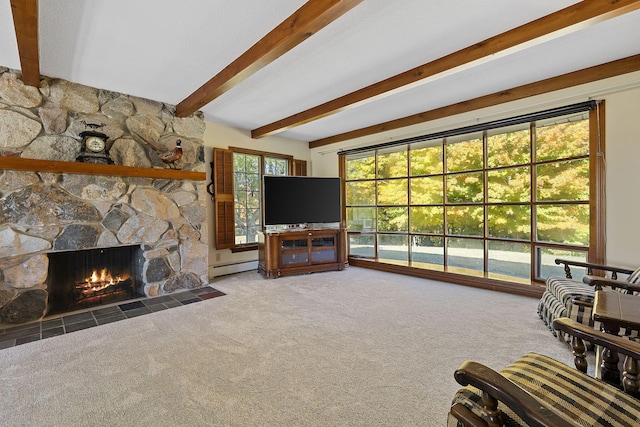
<point x="586" y="400"/>
<point x="567" y="289"/>
<point x="634" y="277"/>
<point x="551" y="308"/>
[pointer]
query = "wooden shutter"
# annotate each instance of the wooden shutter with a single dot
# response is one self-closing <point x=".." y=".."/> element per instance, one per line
<point x="299" y="167"/>
<point x="223" y="189"/>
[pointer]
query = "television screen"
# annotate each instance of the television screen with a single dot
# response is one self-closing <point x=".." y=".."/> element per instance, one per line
<point x="301" y="199"/>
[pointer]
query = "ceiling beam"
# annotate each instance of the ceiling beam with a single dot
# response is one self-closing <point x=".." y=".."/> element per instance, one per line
<point x="313" y="16"/>
<point x="586" y="75"/>
<point x="25" y="21"/>
<point x="555" y="25"/>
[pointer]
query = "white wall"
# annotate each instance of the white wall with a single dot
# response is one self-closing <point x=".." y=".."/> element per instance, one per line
<point x="622" y="96"/>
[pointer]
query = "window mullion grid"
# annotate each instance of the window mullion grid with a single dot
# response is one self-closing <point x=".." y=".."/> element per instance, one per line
<point x="533" y="196"/>
<point x="375" y="196"/>
<point x="445" y="204"/>
<point x="485" y="200"/>
<point x="409" y="204"/>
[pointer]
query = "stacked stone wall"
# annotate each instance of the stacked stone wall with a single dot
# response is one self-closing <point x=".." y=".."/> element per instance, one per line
<point x="42" y="212"/>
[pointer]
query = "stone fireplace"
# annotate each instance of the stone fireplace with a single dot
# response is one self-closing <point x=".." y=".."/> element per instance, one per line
<point x="45" y="216"/>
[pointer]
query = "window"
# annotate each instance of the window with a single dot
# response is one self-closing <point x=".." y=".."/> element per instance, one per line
<point x="238" y="193"/>
<point x="500" y="202"/>
<point x="247" y="181"/>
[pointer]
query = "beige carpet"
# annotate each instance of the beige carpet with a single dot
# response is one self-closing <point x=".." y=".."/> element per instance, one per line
<point x="351" y="348"/>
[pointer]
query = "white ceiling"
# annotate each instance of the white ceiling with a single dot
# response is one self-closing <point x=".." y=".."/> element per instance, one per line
<point x="165" y="49"/>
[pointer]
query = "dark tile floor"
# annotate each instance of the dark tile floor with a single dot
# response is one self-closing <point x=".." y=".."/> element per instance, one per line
<point x="50" y="327"/>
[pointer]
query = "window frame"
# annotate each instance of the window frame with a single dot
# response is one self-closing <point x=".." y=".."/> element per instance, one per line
<point x="595" y="248"/>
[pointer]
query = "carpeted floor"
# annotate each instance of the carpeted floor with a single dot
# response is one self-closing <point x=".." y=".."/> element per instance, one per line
<point x="350" y="348"/>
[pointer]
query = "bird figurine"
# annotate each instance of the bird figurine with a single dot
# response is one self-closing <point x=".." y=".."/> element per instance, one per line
<point x="171" y="156"/>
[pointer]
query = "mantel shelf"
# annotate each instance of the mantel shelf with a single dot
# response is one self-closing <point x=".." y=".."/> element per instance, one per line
<point x="37" y="165"/>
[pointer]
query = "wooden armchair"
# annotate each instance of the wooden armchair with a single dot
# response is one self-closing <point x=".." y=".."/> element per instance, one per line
<point x="566" y="297"/>
<point x="539" y="391"/>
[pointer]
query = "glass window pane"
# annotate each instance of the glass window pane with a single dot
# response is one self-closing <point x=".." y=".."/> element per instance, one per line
<point x="362" y="245"/>
<point x="274" y="166"/>
<point x="509" y="185"/>
<point x="428" y="219"/>
<point x="509" y="222"/>
<point x="465" y="188"/>
<point x="240" y="198"/>
<point x="464" y="156"/>
<point x="361" y="167"/>
<point x="427" y="191"/>
<point x="361" y="193"/>
<point x="510" y="148"/>
<point x="510" y="259"/>
<point x="563" y="181"/>
<point x="427" y="250"/>
<point x="361" y="219"/>
<point x="393" y="219"/>
<point x="252" y="234"/>
<point x="547" y="267"/>
<point x="253" y="217"/>
<point x="393" y="164"/>
<point x="558" y="141"/>
<point x="465" y="220"/>
<point x="393" y="192"/>
<point x="426" y="161"/>
<point x="393" y="247"/>
<point x="253" y="182"/>
<point x="465" y="253"/>
<point x="567" y="224"/>
<point x="253" y="200"/>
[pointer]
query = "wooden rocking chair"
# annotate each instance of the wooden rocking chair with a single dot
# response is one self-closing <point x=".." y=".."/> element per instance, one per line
<point x="539" y="391"/>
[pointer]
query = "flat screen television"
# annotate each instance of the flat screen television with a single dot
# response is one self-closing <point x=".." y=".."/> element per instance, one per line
<point x="293" y="200"/>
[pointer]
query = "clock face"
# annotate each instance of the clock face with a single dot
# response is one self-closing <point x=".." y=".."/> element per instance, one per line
<point x="95" y="144"/>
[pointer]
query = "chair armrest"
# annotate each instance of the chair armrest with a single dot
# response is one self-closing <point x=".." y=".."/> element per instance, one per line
<point x="579" y="302"/>
<point x="599" y="282"/>
<point x="587" y="333"/>
<point x="590" y="267"/>
<point x="532" y="411"/>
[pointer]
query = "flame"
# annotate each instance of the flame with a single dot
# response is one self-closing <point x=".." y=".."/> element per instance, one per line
<point x="98" y="281"/>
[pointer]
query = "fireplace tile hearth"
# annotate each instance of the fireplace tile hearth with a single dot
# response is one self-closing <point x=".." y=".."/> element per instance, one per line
<point x="47" y="328"/>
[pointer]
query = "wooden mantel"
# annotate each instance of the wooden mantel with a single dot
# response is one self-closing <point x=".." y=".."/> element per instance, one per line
<point x="37" y="165"/>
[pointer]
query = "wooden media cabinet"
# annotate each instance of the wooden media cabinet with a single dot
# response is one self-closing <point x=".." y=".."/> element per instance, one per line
<point x="286" y="252"/>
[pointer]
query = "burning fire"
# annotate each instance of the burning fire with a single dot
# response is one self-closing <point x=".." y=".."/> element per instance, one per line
<point x="98" y="281"/>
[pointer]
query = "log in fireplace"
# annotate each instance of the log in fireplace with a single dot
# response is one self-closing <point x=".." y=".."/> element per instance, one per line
<point x="88" y="278"/>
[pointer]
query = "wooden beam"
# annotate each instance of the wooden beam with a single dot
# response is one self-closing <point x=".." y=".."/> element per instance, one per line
<point x="38" y="165"/>
<point x="586" y="75"/>
<point x="547" y="28"/>
<point x="25" y="21"/>
<point x="302" y="24"/>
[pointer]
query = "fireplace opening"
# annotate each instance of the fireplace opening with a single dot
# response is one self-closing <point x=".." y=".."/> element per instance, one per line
<point x="88" y="278"/>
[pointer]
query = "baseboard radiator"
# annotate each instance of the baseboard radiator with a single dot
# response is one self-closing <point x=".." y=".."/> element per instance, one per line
<point x="237" y="267"/>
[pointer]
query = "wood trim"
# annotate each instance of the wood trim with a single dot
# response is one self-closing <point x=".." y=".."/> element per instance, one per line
<point x="586" y="75"/>
<point x="261" y="153"/>
<point x="533" y="290"/>
<point x="313" y="16"/>
<point x="597" y="206"/>
<point x="552" y="26"/>
<point x="56" y="166"/>
<point x="25" y="21"/>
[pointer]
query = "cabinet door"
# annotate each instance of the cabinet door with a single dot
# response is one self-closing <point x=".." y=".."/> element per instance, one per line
<point x="294" y="251"/>
<point x="323" y="249"/>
